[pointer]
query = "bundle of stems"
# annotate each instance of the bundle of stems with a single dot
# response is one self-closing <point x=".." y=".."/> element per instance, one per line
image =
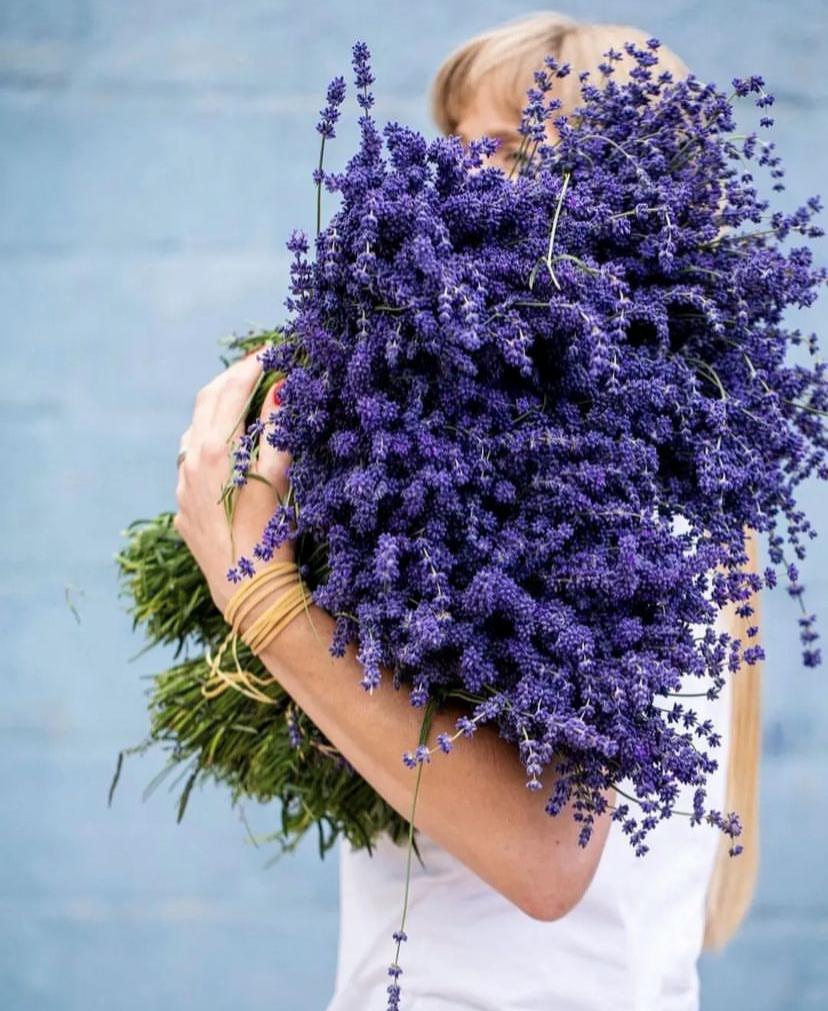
<point x="262" y="752"/>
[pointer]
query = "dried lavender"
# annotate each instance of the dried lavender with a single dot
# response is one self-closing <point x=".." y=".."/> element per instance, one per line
<point x="502" y="393"/>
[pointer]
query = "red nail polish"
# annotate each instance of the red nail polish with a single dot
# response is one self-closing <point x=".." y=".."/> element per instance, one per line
<point x="277" y="400"/>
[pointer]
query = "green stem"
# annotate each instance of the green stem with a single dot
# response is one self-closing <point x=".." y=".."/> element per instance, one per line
<point x="424" y="728"/>
<point x="319" y="190"/>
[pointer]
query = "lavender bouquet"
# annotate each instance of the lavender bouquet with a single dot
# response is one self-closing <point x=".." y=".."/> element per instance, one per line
<point x="532" y="416"/>
<point x="501" y="395"/>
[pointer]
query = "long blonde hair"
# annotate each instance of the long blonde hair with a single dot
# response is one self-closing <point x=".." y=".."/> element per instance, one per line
<point x="509" y="54"/>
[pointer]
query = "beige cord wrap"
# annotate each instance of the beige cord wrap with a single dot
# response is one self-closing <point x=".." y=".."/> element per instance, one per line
<point x="261" y="633"/>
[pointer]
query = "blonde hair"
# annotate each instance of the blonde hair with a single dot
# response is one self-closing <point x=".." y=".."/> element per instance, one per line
<point x="508" y="55"/>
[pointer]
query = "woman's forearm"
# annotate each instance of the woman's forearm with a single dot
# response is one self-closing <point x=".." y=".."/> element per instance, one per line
<point x="473" y="802"/>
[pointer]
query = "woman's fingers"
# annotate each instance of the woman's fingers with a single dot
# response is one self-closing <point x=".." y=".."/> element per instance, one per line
<point x="257" y="500"/>
<point x="272" y="463"/>
<point x="183" y="445"/>
<point x="221" y="406"/>
<point x="233" y="397"/>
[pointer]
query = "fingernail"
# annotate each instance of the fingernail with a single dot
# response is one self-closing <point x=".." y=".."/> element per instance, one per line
<point x="277" y="400"/>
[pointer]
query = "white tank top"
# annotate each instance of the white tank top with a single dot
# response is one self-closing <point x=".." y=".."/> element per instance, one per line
<point x="631" y="943"/>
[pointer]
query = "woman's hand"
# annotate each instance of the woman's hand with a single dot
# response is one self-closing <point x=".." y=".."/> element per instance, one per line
<point x="218" y="421"/>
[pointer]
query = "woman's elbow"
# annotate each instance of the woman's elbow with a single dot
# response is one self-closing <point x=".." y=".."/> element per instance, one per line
<point x="544" y="908"/>
<point x="552" y="885"/>
<point x="547" y="904"/>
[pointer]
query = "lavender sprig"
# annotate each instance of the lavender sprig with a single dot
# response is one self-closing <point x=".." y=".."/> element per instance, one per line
<point x="531" y="419"/>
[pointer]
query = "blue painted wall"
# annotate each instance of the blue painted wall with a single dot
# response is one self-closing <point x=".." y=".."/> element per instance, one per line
<point x="153" y="159"/>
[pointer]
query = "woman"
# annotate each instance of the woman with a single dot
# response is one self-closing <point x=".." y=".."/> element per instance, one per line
<point x="508" y="911"/>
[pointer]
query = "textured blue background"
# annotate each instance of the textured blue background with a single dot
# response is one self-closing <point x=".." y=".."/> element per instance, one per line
<point x="153" y="159"/>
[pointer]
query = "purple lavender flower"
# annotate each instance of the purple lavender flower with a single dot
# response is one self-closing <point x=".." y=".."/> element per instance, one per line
<point x="503" y="393"/>
<point x="330" y="114"/>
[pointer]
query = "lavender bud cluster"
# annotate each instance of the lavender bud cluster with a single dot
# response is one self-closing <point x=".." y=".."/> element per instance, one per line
<point x="502" y="393"/>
